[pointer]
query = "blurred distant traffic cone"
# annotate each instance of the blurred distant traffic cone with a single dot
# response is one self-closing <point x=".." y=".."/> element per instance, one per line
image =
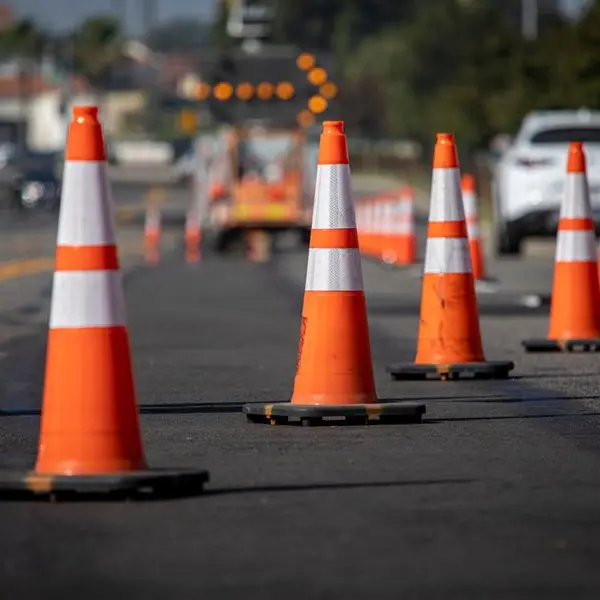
<point x="90" y="438"/>
<point x="152" y="229"/>
<point x="334" y="376"/>
<point x="475" y="244"/>
<point x="575" y="304"/>
<point x="406" y="244"/>
<point x="258" y="245"/>
<point x="388" y="250"/>
<point x="193" y="235"/>
<point x="449" y="342"/>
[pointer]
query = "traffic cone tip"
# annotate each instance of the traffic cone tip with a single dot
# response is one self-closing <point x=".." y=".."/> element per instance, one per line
<point x="444" y="154"/>
<point x="85" y="141"/>
<point x="468" y="183"/>
<point x="576" y="162"/>
<point x="333" y="149"/>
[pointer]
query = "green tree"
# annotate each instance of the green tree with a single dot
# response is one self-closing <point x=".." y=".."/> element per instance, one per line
<point x="96" y="47"/>
<point x="23" y="38"/>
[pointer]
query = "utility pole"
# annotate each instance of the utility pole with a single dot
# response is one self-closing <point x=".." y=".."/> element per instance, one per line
<point x="529" y="19"/>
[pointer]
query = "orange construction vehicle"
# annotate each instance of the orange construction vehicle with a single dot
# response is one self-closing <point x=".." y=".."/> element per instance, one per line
<point x="260" y="179"/>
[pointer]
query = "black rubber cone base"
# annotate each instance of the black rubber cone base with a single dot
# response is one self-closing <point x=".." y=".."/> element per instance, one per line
<point x="286" y="413"/>
<point x="136" y="485"/>
<point x="483" y="370"/>
<point x="561" y="345"/>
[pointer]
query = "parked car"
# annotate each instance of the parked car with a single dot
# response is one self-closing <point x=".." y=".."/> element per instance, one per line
<point x="31" y="180"/>
<point x="528" y="184"/>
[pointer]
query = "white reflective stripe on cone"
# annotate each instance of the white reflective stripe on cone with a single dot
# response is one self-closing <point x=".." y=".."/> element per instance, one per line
<point x="575" y="246"/>
<point x="447" y="255"/>
<point x="152" y="219"/>
<point x="446" y="196"/>
<point x="334" y="270"/>
<point x="470" y="202"/>
<point x="87" y="299"/>
<point x="86" y="211"/>
<point x="405" y="207"/>
<point x="387" y="215"/>
<point x="473" y="230"/>
<point x="404" y="228"/>
<point x="334" y="206"/>
<point x="576" y="204"/>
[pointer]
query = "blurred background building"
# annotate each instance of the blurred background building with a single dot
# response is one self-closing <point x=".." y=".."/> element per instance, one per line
<point x="397" y="70"/>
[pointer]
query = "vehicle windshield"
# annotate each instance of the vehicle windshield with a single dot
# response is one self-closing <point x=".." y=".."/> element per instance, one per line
<point x="266" y="149"/>
<point x="259" y="154"/>
<point x="564" y="135"/>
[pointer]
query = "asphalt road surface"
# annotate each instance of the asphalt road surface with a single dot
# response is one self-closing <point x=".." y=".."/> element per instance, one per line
<point x="496" y="495"/>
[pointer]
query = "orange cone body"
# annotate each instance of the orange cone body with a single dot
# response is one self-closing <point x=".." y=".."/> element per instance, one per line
<point x="192" y="235"/>
<point x="449" y="324"/>
<point x="405" y="241"/>
<point x="475" y="245"/>
<point x="89" y="419"/>
<point x="334" y="357"/>
<point x="575" y="307"/>
<point x="389" y="234"/>
<point x="152" y="232"/>
<point x="370" y="235"/>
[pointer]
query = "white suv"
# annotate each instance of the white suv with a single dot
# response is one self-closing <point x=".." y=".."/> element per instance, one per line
<point x="529" y="179"/>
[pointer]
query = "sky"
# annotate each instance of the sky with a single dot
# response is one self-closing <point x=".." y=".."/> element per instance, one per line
<point x="60" y="15"/>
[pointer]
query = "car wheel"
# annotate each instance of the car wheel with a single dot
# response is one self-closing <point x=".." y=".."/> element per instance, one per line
<point x="508" y="242"/>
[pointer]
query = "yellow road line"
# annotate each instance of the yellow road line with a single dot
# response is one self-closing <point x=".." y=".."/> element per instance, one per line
<point x="29" y="266"/>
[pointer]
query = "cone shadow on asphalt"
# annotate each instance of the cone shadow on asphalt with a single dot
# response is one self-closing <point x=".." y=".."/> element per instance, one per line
<point x="259" y="489"/>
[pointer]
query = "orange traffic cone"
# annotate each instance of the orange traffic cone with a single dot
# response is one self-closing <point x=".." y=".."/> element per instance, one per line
<point x="152" y="231"/>
<point x="193" y="235"/>
<point x="449" y="341"/>
<point x="575" y="305"/>
<point x="334" y="376"/>
<point x="90" y="438"/>
<point x="406" y="243"/>
<point x="388" y="252"/>
<point x="476" y="247"/>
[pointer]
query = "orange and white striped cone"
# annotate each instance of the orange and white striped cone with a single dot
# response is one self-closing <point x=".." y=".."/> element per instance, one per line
<point x="575" y="305"/>
<point x="90" y="439"/>
<point x="152" y="233"/>
<point x="192" y="235"/>
<point x="475" y="244"/>
<point x="389" y="235"/>
<point x="366" y="239"/>
<point x="334" y="374"/>
<point x="449" y="341"/>
<point x="404" y="219"/>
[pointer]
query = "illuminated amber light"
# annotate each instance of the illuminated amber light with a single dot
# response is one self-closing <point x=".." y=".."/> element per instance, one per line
<point x="328" y="90"/>
<point x="188" y="120"/>
<point x="317" y="76"/>
<point x="223" y="91"/>
<point x="244" y="91"/>
<point x="265" y="90"/>
<point x="305" y="61"/>
<point x="305" y="118"/>
<point x="284" y="90"/>
<point x="317" y="104"/>
<point x="202" y="91"/>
